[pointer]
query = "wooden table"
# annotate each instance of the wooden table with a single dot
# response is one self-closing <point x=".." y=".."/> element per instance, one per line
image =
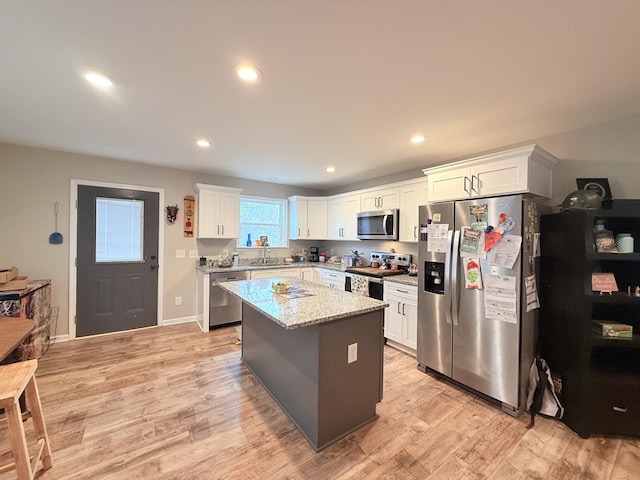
<point x="12" y="332"/>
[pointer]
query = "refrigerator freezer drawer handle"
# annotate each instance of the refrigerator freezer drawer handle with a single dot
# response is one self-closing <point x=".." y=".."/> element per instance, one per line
<point x="447" y="287"/>
<point x="454" y="277"/>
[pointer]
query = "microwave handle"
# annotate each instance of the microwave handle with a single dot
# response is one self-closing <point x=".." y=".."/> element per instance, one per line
<point x="385" y="225"/>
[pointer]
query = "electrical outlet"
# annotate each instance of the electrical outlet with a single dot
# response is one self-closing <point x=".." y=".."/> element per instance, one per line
<point x="179" y="253"/>
<point x="178" y="300"/>
<point x="225" y="253"/>
<point x="193" y="253"/>
<point x="352" y="353"/>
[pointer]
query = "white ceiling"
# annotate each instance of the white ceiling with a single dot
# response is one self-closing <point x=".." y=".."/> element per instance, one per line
<point x="346" y="82"/>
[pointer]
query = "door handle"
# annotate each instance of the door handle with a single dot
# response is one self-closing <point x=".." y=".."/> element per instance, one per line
<point x="464" y="185"/>
<point x="399" y="309"/>
<point x="153" y="266"/>
<point x="298" y="231"/>
<point x="222" y="229"/>
<point x="454" y="277"/>
<point x="218" y="231"/>
<point x="473" y="177"/>
<point x="415" y="227"/>
<point x="308" y="232"/>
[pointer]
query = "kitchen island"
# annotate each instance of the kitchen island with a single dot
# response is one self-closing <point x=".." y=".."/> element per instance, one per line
<point x="318" y="352"/>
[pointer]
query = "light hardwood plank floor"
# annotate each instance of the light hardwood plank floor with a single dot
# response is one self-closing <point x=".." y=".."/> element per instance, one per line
<point x="174" y="403"/>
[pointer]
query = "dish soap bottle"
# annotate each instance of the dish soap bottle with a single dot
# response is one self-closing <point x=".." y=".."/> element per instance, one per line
<point x="248" y="240"/>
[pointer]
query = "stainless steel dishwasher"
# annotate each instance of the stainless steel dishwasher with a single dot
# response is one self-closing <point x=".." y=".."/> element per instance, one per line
<point x="224" y="308"/>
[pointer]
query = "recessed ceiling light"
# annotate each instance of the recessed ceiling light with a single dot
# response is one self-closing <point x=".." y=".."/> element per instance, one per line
<point x="272" y="178"/>
<point x="418" y="138"/>
<point x="201" y="142"/>
<point x="330" y="169"/>
<point x="249" y="73"/>
<point x="98" y="79"/>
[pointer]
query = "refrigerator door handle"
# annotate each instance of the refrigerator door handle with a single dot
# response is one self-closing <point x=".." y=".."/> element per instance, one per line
<point x="453" y="275"/>
<point x="449" y="284"/>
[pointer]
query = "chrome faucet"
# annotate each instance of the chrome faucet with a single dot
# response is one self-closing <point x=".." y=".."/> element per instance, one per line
<point x="266" y="252"/>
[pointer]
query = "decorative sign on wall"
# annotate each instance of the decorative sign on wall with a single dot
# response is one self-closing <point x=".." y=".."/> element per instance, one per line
<point x="189" y="209"/>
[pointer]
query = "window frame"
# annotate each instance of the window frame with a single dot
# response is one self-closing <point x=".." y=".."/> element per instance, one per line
<point x="283" y="202"/>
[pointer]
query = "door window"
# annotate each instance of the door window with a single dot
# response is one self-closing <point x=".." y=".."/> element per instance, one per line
<point x="119" y="230"/>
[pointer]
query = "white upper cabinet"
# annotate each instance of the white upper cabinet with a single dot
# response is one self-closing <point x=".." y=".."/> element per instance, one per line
<point x="520" y="170"/>
<point x="380" y="199"/>
<point x="217" y="211"/>
<point x="342" y="220"/>
<point x="412" y="195"/>
<point x="307" y="218"/>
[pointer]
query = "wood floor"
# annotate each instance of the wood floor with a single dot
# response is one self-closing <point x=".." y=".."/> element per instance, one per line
<point x="174" y="403"/>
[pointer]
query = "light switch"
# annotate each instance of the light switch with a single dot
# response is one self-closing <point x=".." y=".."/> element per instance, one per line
<point x="179" y="253"/>
<point x="193" y="253"/>
<point x="352" y="353"/>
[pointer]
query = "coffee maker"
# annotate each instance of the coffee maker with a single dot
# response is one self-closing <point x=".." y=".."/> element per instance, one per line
<point x="314" y="254"/>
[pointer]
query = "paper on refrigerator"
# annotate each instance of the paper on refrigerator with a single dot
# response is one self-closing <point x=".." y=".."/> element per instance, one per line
<point x="505" y="252"/>
<point x="500" y="301"/>
<point x="437" y="237"/>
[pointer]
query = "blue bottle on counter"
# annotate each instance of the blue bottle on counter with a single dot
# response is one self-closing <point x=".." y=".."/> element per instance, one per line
<point x="248" y="240"/>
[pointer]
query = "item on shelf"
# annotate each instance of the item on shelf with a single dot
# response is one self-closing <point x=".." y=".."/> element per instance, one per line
<point x="605" y="242"/>
<point x="614" y="329"/>
<point x="624" y="243"/>
<point x="582" y="200"/>
<point x="249" y="243"/>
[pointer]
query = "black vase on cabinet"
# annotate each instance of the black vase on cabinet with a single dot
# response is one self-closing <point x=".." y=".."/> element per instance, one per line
<point x="600" y="375"/>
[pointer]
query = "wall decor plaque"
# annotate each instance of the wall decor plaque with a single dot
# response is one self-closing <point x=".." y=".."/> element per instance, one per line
<point x="189" y="210"/>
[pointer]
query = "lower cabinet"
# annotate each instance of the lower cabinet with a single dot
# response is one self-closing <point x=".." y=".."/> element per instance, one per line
<point x="275" y="272"/>
<point x="333" y="279"/>
<point x="401" y="316"/>
<point x="311" y="274"/>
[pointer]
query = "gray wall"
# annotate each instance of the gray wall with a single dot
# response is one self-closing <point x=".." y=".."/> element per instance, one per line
<point x="33" y="179"/>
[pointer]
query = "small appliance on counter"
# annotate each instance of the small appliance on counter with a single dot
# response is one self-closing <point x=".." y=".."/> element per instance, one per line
<point x="314" y="254"/>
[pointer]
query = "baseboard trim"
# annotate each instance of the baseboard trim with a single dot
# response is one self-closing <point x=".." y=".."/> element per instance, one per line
<point x="176" y="321"/>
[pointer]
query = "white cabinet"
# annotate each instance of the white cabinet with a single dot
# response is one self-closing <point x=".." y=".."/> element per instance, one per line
<point x="307" y="218"/>
<point x="275" y="272"/>
<point x="217" y="211"/>
<point x="311" y="274"/>
<point x="412" y="195"/>
<point x="380" y="199"/>
<point x="520" y="170"/>
<point x="333" y="279"/>
<point x="401" y="316"/>
<point x="342" y="221"/>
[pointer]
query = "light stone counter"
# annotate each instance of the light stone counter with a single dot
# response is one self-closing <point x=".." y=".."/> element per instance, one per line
<point x="323" y="305"/>
<point x="404" y="279"/>
<point x="250" y="267"/>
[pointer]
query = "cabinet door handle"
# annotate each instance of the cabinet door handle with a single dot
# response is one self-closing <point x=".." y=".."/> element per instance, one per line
<point x="464" y="185"/>
<point x="402" y="291"/>
<point x="415" y="227"/>
<point x="620" y="409"/>
<point x="380" y="201"/>
<point x="399" y="309"/>
<point x="403" y="305"/>
<point x="308" y="232"/>
<point x="218" y="229"/>
<point x="222" y="229"/>
<point x="473" y="177"/>
<point x="298" y="232"/>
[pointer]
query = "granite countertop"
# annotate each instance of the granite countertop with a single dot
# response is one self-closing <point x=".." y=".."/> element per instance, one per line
<point x="323" y="305"/>
<point x="404" y="279"/>
<point x="249" y="267"/>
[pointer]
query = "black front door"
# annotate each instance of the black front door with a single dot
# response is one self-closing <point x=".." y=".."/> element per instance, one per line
<point x="117" y="267"/>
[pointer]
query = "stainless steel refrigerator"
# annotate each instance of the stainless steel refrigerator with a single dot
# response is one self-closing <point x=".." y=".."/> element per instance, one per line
<point x="483" y="350"/>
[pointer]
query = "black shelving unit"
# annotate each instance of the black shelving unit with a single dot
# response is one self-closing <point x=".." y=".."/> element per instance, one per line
<point x="600" y="376"/>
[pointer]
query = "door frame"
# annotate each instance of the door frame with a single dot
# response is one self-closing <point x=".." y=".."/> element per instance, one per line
<point x="73" y="244"/>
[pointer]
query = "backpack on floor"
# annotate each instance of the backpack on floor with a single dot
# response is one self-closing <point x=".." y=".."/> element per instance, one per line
<point x="542" y="397"/>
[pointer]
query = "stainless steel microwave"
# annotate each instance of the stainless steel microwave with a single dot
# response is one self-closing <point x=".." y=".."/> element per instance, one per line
<point x="380" y="225"/>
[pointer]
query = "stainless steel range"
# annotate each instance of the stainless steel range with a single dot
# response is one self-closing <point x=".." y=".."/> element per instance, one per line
<point x="382" y="264"/>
